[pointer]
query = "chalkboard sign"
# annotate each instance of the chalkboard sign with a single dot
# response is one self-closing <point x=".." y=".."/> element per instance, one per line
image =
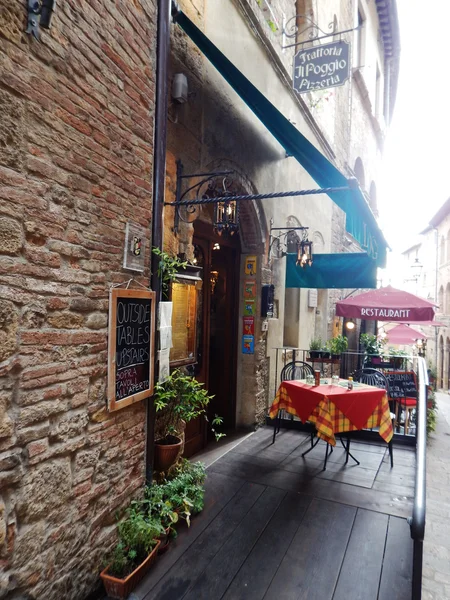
<point x="130" y="346"/>
<point x="402" y="384"/>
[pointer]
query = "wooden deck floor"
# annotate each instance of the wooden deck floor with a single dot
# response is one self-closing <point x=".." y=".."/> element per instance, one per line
<point x="276" y="527"/>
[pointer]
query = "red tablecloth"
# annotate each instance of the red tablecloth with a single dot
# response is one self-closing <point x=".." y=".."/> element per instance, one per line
<point x="335" y="409"/>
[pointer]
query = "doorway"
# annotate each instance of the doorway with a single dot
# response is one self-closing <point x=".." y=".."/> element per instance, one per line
<point x="217" y="330"/>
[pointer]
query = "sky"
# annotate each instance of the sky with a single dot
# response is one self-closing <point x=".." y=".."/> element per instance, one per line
<point x="415" y="179"/>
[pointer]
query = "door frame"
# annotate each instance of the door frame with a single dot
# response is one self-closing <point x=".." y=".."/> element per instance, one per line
<point x="205" y="236"/>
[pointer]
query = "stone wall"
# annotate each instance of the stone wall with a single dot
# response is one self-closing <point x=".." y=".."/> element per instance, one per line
<point x="76" y="138"/>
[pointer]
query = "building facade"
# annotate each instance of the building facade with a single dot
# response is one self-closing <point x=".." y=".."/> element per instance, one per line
<point x="76" y="156"/>
<point x="216" y="130"/>
<point x="77" y="147"/>
<point x="432" y="281"/>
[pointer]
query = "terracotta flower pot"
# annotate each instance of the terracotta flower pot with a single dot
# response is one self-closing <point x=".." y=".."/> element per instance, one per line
<point x="122" y="588"/>
<point x="166" y="452"/>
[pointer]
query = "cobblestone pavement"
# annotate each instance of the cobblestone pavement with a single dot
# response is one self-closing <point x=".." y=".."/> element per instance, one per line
<point x="436" y="564"/>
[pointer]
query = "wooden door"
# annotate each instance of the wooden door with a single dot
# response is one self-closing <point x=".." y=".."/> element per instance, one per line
<point x="217" y="330"/>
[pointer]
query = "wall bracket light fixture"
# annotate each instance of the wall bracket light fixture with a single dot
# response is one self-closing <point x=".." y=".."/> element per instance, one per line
<point x="288" y="241"/>
<point x="205" y="190"/>
<point x="39" y="15"/>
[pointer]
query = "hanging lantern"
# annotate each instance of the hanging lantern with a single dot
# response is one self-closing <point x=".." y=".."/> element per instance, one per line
<point x="226" y="217"/>
<point x="304" y="253"/>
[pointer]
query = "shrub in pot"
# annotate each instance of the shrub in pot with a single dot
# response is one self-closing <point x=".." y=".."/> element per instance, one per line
<point x="372" y="348"/>
<point x="184" y="489"/>
<point x="178" y="400"/>
<point x="315" y="348"/>
<point x="338" y="345"/>
<point x="133" y="555"/>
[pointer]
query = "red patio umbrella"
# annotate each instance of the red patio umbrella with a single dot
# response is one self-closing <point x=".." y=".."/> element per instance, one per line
<point x="404" y="335"/>
<point x="386" y="304"/>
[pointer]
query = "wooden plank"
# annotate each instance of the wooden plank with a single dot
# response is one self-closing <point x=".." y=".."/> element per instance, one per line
<point x="336" y="471"/>
<point x="219" y="490"/>
<point x="310" y="569"/>
<point x="268" y="453"/>
<point x="395" y="491"/>
<point x="184" y="572"/>
<point x="256" y="573"/>
<point x="396" y="575"/>
<point x="306" y="483"/>
<point x="220" y="571"/>
<point x="359" y="578"/>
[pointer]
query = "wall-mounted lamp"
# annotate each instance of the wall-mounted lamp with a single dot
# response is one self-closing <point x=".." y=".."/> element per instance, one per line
<point x="39" y="15"/>
<point x="421" y="347"/>
<point x="350" y="325"/>
<point x="304" y="253"/>
<point x="226" y="217"/>
<point x="180" y="88"/>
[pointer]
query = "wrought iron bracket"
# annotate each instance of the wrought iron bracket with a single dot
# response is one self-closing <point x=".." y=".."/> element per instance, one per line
<point x="277" y="239"/>
<point x="39" y="15"/>
<point x="291" y="31"/>
<point x="180" y="195"/>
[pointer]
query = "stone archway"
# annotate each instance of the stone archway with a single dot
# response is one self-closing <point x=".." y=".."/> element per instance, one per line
<point x="251" y="374"/>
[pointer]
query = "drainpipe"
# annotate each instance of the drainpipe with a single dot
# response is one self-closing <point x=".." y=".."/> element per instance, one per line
<point x="159" y="177"/>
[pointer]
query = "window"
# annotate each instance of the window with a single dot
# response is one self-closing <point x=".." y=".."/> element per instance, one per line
<point x="441" y="299"/>
<point x="442" y="250"/>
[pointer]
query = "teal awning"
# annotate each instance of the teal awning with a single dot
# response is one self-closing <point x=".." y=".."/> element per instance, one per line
<point x="360" y="221"/>
<point x="352" y="270"/>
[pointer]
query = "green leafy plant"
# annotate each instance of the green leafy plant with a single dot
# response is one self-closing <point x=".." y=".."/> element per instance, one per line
<point x="395" y="352"/>
<point x="168" y="269"/>
<point x="156" y="506"/>
<point x="338" y="344"/>
<point x="316" y="344"/>
<point x="431" y="411"/>
<point x="183" y="490"/>
<point x="372" y="345"/>
<point x="137" y="537"/>
<point x="181" y="398"/>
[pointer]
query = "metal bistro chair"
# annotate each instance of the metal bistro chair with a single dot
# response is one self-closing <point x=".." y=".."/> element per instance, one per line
<point x="290" y="372"/>
<point x="377" y="379"/>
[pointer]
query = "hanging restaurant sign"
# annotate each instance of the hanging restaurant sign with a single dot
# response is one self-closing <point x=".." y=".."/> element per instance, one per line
<point x="321" y="67"/>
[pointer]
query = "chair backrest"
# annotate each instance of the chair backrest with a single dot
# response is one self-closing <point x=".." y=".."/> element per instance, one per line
<point x="372" y="377"/>
<point x="296" y="370"/>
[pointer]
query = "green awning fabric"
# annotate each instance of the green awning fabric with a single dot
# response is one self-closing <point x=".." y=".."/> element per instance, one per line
<point x="352" y="270"/>
<point x="360" y="221"/>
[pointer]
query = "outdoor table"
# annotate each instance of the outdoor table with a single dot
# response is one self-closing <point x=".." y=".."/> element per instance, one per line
<point x="335" y="409"/>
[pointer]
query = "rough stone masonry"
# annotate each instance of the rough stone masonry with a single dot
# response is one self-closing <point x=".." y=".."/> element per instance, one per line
<point x="76" y="144"/>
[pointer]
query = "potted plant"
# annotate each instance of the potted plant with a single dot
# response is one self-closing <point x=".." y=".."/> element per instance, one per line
<point x="338" y="345"/>
<point x="178" y="400"/>
<point x="396" y="357"/>
<point x="315" y="348"/>
<point x="133" y="554"/>
<point x="157" y="506"/>
<point x="325" y="351"/>
<point x="372" y="348"/>
<point x="168" y="269"/>
<point x="184" y="489"/>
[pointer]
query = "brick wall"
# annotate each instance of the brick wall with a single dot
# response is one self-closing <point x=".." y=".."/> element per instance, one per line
<point x="75" y="166"/>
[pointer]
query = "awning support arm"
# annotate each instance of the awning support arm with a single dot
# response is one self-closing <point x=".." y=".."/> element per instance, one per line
<point x="312" y="192"/>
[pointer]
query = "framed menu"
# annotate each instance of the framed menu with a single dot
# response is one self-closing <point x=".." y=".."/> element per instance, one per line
<point x="184" y="323"/>
<point x="131" y="342"/>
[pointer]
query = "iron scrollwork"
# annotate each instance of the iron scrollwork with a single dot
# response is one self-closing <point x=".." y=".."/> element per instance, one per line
<point x="211" y="185"/>
<point x="291" y="30"/>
